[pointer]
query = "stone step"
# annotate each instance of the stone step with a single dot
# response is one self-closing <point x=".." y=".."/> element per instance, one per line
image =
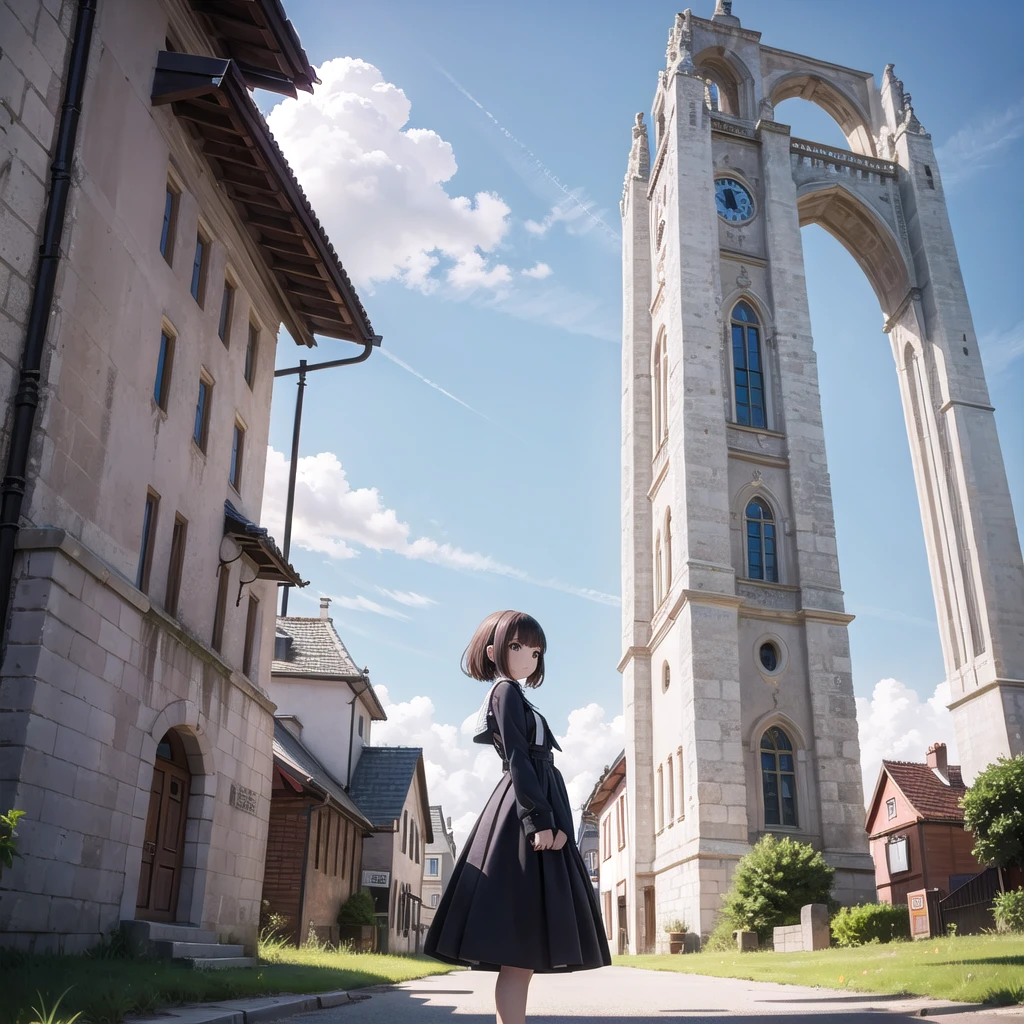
<point x="200" y="950"/>
<point x="158" y="931"/>
<point x="206" y="963"/>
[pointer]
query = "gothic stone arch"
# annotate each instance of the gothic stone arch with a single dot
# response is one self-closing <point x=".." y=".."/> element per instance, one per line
<point x="891" y="215"/>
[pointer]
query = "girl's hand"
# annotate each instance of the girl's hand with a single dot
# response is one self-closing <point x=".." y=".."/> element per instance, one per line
<point x="547" y="840"/>
<point x="543" y="840"/>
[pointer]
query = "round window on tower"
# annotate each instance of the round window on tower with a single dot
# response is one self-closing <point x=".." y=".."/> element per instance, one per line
<point x="769" y="656"/>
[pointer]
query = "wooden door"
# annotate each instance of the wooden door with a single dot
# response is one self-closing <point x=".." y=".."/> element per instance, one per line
<point x="649" y="937"/>
<point x="623" y="929"/>
<point x="164" y="846"/>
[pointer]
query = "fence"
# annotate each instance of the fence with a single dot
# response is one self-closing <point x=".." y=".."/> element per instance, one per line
<point x="970" y="906"/>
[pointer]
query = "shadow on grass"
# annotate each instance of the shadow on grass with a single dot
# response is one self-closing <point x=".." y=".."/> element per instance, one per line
<point x="105" y="990"/>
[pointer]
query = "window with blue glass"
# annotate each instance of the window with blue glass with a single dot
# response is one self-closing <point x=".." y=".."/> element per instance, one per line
<point x="170" y="215"/>
<point x="778" y="778"/>
<point x="201" y="427"/>
<point x="748" y="372"/>
<point x="199" y="269"/>
<point x="761" y="555"/>
<point x="162" y="384"/>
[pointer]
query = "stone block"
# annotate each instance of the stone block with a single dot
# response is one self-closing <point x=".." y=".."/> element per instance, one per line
<point x="788" y="939"/>
<point x="89" y="655"/>
<point x="36" y="117"/>
<point x="102" y="600"/>
<point x="746" y="942"/>
<point x="814" y="927"/>
<point x="78" y="748"/>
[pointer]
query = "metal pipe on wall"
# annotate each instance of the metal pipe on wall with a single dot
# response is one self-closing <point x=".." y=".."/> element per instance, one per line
<point x="26" y="400"/>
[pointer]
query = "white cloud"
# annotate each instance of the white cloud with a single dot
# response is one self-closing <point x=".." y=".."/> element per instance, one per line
<point x="576" y="211"/>
<point x="1001" y="348"/>
<point x="539" y="271"/>
<point x="896" y="724"/>
<point x="329" y="517"/>
<point x="364" y="604"/>
<point x="980" y="144"/>
<point x="461" y="774"/>
<point x="471" y="272"/>
<point x="378" y="187"/>
<point x="408" y="597"/>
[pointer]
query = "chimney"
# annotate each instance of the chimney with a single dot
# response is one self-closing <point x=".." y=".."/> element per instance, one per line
<point x="448" y="824"/>
<point x="325" y="603"/>
<point x="937" y="761"/>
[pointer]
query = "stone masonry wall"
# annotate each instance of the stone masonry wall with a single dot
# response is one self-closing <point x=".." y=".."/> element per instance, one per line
<point x="92" y="678"/>
<point x="33" y="48"/>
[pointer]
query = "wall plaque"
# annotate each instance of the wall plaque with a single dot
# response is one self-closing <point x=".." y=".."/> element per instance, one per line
<point x="243" y="799"/>
<point x="377" y="879"/>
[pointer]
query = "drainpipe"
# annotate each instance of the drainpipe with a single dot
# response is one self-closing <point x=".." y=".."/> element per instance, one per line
<point x="26" y="399"/>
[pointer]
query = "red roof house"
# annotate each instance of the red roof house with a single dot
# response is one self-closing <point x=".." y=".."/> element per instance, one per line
<point x="916" y="828"/>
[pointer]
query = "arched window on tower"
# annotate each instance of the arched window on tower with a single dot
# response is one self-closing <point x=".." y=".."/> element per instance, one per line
<point x="659" y="384"/>
<point x="712" y="96"/>
<point x="761" y="554"/>
<point x="659" y="579"/>
<point x="778" y="778"/>
<point x="666" y="678"/>
<point x="748" y="371"/>
<point x="668" y="550"/>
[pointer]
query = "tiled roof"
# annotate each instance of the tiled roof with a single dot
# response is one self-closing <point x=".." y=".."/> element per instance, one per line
<point x="926" y="792"/>
<point x="606" y="785"/>
<point x="316" y="649"/>
<point x="294" y="759"/>
<point x="381" y="781"/>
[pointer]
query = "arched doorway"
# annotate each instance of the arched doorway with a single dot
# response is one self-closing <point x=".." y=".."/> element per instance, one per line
<point x="164" y="846"/>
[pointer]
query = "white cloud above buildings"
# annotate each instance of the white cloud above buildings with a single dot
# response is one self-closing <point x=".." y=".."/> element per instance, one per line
<point x="896" y="724"/>
<point x="538" y="272"/>
<point x="461" y="774"/>
<point x="379" y="186"/>
<point x="335" y="519"/>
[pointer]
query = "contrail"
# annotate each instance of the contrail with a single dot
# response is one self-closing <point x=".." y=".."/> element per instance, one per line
<point x="538" y="164"/>
<point x="437" y="387"/>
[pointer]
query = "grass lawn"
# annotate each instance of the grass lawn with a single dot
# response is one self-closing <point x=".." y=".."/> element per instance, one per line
<point x="104" y="989"/>
<point x="973" y="969"/>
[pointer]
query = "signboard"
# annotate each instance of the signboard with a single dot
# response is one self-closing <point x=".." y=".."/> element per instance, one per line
<point x="923" y="905"/>
<point x="377" y="879"/>
<point x="243" y="799"/>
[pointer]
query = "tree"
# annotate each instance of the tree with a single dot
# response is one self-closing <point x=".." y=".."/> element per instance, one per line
<point x="772" y="883"/>
<point x="994" y="812"/>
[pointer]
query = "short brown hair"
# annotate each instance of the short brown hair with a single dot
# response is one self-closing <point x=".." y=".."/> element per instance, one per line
<point x="500" y="629"/>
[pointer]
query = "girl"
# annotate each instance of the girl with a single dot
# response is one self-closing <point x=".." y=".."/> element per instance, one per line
<point x="519" y="900"/>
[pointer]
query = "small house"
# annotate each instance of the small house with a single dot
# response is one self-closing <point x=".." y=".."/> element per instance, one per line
<point x="916" y="828"/>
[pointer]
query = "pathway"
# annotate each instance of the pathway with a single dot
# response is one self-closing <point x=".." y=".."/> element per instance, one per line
<point x="629" y="996"/>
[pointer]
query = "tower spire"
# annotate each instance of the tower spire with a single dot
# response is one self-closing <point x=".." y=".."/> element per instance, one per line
<point x="723" y="13"/>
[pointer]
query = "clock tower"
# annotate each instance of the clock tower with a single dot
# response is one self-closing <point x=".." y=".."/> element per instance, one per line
<point x="737" y="682"/>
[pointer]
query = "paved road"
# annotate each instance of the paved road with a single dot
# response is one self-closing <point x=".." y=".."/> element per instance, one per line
<point x="623" y="995"/>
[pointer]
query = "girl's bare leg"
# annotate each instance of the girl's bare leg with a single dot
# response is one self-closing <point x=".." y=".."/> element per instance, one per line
<point x="510" y="992"/>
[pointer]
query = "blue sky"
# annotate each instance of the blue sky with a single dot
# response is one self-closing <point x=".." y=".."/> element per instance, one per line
<point x="496" y="484"/>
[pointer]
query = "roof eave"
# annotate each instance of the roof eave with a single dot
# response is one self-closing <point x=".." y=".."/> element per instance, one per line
<point x="333" y="311"/>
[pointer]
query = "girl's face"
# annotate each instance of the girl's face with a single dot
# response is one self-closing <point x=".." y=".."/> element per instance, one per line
<point x="522" y="660"/>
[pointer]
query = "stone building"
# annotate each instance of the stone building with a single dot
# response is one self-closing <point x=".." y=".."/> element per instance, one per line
<point x="137" y="591"/>
<point x="438" y="864"/>
<point x="389" y="786"/>
<point x="608" y="804"/>
<point x="588" y="843"/>
<point x="737" y="682"/>
<point x="314" y="680"/>
<point x="915" y="828"/>
<point x="314" y="842"/>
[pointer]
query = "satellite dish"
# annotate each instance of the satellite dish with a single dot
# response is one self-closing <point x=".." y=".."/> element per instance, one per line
<point x="230" y="549"/>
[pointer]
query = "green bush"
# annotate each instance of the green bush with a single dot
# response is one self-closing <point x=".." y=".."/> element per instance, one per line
<point x="1009" y="910"/>
<point x="8" y="833"/>
<point x="773" y="882"/>
<point x="720" y="940"/>
<point x="357" y="910"/>
<point x="872" y="922"/>
<point x="994" y="812"/>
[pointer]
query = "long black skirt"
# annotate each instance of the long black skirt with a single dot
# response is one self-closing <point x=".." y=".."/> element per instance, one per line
<point x="508" y="905"/>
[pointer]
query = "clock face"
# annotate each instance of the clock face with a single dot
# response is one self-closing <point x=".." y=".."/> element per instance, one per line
<point x="734" y="202"/>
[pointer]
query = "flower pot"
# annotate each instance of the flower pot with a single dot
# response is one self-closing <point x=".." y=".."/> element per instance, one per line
<point x="676" y="941"/>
